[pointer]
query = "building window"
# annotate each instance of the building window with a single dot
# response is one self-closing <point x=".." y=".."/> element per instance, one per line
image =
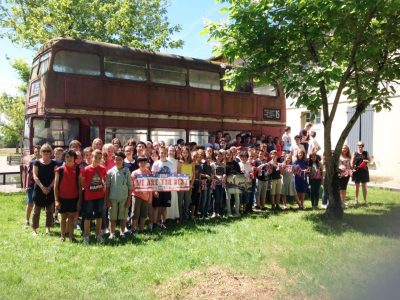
<point x="313" y="118"/>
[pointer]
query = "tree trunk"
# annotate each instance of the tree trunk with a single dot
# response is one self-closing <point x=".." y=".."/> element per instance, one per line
<point x="334" y="209"/>
<point x="331" y="182"/>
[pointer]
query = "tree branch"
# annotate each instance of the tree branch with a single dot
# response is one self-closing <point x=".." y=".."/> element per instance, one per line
<point x="361" y="106"/>
<point x="347" y="73"/>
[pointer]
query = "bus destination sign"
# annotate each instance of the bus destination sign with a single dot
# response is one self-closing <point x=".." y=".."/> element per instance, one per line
<point x="272" y="114"/>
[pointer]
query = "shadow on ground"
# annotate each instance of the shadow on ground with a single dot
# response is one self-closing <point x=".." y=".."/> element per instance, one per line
<point x="382" y="219"/>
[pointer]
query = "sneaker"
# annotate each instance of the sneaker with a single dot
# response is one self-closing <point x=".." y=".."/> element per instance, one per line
<point x="127" y="230"/>
<point x="111" y="237"/>
<point x="133" y="233"/>
<point x="47" y="231"/>
<point x="214" y="215"/>
<point x="34" y="233"/>
<point x="27" y="224"/>
<point x="100" y="239"/>
<point x="86" y="240"/>
<point x="284" y="207"/>
<point x="62" y="239"/>
<point x="324" y="206"/>
<point x="122" y="235"/>
<point x="161" y="225"/>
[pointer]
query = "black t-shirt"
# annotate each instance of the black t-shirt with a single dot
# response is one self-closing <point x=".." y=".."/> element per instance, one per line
<point x="275" y="174"/>
<point x="232" y="168"/>
<point x="46" y="176"/>
<point x="131" y="165"/>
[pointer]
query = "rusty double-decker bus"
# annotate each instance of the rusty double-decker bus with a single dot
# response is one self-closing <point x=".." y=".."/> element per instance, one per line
<point x="82" y="90"/>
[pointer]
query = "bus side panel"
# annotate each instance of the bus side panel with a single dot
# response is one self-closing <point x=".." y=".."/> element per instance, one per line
<point x="235" y="105"/>
<point x="205" y="102"/>
<point x="84" y="92"/>
<point x="125" y="96"/>
<point x="168" y="99"/>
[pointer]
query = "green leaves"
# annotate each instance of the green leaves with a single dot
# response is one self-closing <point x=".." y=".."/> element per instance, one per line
<point x="304" y="45"/>
<point x="12" y="120"/>
<point x="12" y="108"/>
<point x="141" y="24"/>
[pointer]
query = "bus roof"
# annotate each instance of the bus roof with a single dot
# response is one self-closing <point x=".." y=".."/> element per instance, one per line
<point x="86" y="45"/>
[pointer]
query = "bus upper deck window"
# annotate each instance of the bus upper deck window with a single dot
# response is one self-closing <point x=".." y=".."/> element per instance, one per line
<point x="204" y="79"/>
<point x="168" y="74"/>
<point x="77" y="63"/>
<point x="267" y="90"/>
<point x="34" y="71"/>
<point x="44" y="63"/>
<point x="125" y="69"/>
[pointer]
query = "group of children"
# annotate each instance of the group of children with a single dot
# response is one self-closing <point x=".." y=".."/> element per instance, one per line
<point x="97" y="183"/>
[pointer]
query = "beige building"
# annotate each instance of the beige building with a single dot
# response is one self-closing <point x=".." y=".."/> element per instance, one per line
<point x="378" y="131"/>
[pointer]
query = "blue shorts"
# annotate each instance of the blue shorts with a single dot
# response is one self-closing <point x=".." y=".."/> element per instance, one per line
<point x="29" y="200"/>
<point x="93" y="209"/>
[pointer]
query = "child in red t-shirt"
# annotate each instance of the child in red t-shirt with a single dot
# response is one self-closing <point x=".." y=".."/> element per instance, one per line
<point x="66" y="193"/>
<point x="92" y="179"/>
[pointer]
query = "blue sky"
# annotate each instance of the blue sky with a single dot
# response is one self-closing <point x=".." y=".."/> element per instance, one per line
<point x="190" y="14"/>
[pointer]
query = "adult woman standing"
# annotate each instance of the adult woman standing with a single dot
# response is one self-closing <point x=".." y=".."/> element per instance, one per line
<point x="43" y="193"/>
<point x="345" y="172"/>
<point x="361" y="174"/>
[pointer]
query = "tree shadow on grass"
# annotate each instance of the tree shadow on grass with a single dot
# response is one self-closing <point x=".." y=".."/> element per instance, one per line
<point x="378" y="219"/>
<point x="192" y="227"/>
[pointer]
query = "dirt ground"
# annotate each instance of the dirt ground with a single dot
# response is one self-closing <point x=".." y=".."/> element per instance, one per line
<point x="219" y="283"/>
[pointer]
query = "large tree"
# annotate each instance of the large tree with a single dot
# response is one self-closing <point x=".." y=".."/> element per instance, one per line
<point x="12" y="107"/>
<point x="135" y="23"/>
<point x="313" y="48"/>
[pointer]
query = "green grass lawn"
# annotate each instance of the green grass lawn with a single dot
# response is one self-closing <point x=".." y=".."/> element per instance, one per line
<point x="295" y="254"/>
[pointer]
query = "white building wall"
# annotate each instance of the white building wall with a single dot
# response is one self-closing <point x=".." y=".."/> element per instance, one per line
<point x="385" y="136"/>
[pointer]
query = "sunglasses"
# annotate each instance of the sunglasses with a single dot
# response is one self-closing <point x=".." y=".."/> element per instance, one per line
<point x="46" y="151"/>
